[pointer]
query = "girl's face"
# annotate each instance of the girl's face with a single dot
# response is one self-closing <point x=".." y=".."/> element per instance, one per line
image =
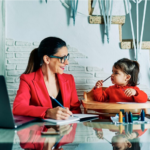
<point x="120" y="142"/>
<point x="119" y="77"/>
<point x="55" y="63"/>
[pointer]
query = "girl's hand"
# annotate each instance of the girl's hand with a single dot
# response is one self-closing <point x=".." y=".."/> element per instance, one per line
<point x="130" y="92"/>
<point x="99" y="84"/>
<point x="58" y="113"/>
<point x="131" y="136"/>
<point x="99" y="134"/>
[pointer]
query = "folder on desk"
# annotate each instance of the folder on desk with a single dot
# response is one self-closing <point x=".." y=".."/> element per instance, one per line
<point x="76" y="117"/>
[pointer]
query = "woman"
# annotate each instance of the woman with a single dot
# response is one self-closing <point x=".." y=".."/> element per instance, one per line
<point x="44" y="80"/>
<point x="31" y="139"/>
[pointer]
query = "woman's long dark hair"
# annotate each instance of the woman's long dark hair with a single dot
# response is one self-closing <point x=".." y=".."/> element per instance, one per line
<point x="48" y="46"/>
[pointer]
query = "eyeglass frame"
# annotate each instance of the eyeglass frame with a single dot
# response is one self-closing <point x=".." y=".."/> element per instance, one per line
<point x="61" y="58"/>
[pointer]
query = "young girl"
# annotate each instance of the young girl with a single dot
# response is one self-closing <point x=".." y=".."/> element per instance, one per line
<point x="124" y="77"/>
<point x="123" y="141"/>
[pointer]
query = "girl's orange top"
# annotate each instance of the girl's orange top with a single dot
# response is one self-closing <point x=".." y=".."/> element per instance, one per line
<point x="116" y="93"/>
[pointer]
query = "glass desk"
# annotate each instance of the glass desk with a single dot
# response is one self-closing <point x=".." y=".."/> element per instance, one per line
<point x="98" y="134"/>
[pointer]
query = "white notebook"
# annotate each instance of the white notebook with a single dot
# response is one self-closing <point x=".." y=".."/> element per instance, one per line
<point x="76" y="117"/>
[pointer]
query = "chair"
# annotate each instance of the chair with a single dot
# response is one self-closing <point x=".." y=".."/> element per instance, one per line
<point x="102" y="107"/>
<point x="113" y="127"/>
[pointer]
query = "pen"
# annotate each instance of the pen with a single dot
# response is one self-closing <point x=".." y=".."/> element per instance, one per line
<point x="57" y="143"/>
<point x="107" y="140"/>
<point x="103" y="81"/>
<point x="106" y="79"/>
<point x="59" y="103"/>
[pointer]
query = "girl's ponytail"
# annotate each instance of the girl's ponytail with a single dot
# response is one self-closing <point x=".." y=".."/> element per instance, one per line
<point x="33" y="62"/>
<point x="135" y="72"/>
<point x="137" y="66"/>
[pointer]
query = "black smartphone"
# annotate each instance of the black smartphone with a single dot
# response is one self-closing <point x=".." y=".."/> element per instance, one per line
<point x="49" y="130"/>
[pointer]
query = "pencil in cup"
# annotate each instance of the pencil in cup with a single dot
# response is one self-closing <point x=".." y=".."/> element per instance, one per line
<point x="103" y="82"/>
<point x="59" y="103"/>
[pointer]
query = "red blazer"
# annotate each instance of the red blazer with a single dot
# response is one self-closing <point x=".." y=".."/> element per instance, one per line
<point x="32" y="97"/>
<point x="30" y="138"/>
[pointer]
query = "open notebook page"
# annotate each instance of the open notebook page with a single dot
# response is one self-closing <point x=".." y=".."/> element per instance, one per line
<point x="75" y="117"/>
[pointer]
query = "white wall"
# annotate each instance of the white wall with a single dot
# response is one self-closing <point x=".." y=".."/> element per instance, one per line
<point x="34" y="20"/>
<point x="2" y="37"/>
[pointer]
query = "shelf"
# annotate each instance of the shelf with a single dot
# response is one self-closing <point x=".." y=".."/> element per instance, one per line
<point x="100" y="20"/>
<point x="128" y="44"/>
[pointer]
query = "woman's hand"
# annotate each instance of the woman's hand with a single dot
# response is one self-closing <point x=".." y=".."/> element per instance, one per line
<point x="130" y="92"/>
<point x="65" y="129"/>
<point x="51" y="140"/>
<point x="99" y="84"/>
<point x="58" y="113"/>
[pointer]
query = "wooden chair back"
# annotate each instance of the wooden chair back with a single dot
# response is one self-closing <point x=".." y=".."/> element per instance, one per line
<point x="88" y="96"/>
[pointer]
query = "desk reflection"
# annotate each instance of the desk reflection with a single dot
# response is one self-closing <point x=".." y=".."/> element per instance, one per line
<point x="31" y="138"/>
<point x="88" y="135"/>
<point x="126" y="136"/>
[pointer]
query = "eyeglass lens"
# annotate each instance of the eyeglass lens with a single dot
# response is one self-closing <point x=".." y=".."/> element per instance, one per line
<point x="64" y="58"/>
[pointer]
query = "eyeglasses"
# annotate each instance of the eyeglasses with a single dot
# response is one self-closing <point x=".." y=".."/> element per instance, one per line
<point x="62" y="59"/>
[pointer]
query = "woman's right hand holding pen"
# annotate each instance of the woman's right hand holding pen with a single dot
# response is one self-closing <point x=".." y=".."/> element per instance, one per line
<point x="58" y="113"/>
<point x="99" y="84"/>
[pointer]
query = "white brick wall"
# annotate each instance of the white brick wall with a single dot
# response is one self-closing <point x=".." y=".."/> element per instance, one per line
<point x="17" y="54"/>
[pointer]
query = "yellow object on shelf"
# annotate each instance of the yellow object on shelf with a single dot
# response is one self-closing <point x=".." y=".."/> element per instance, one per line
<point x="120" y="117"/>
<point x="120" y="128"/>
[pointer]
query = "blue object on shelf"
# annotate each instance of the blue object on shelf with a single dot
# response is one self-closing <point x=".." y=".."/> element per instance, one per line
<point x="130" y="117"/>
<point x="130" y="126"/>
<point x="142" y="115"/>
<point x="126" y="117"/>
<point x="142" y="127"/>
